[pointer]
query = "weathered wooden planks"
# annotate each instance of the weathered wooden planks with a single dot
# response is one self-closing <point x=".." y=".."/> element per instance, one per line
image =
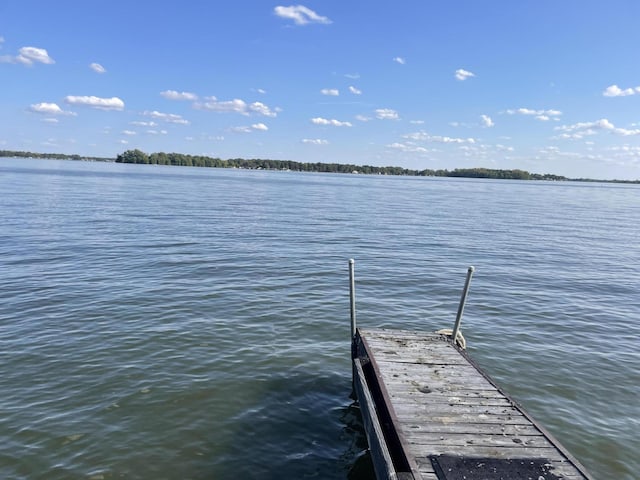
<point x="379" y="450"/>
<point x="431" y="400"/>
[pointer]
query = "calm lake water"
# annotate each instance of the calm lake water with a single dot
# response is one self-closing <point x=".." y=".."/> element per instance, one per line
<point x="184" y="323"/>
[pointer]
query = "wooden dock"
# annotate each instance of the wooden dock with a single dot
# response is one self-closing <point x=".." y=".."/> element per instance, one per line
<point x="430" y="413"/>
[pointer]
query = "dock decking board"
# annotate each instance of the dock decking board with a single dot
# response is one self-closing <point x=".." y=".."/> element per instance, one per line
<point x="433" y="400"/>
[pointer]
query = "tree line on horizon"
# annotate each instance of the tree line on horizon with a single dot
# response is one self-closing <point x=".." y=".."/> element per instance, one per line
<point x="161" y="158"/>
<point x="53" y="156"/>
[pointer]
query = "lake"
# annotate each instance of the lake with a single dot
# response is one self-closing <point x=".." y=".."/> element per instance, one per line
<point x="186" y="323"/>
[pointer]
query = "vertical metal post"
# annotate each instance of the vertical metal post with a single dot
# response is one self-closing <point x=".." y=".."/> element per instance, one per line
<point x="463" y="300"/>
<point x="352" y="293"/>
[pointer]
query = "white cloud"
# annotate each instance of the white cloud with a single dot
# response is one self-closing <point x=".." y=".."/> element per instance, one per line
<point x="626" y="132"/>
<point x="426" y="137"/>
<point x="300" y="15"/>
<point x="407" y="147"/>
<point x="399" y="60"/>
<point x="49" y="109"/>
<point x="441" y="139"/>
<point x="417" y="122"/>
<point x="387" y="114"/>
<point x="144" y="124"/>
<point x="462" y="74"/>
<point x="363" y="118"/>
<point x="166" y="117"/>
<point x="616" y="91"/>
<point x="352" y="76"/>
<point x="504" y="148"/>
<point x="128" y="132"/>
<point x="236" y="106"/>
<point x="542" y="115"/>
<point x="113" y="103"/>
<point x="174" y="95"/>
<point x="156" y="132"/>
<point x="574" y="136"/>
<point x="580" y="130"/>
<point x="315" y="141"/>
<point x="486" y="121"/>
<point x="261" y="109"/>
<point x="549" y="150"/>
<point x="354" y="90"/>
<point x="252" y="128"/>
<point x="28" y="56"/>
<point x="333" y="122"/>
<point x="418" y="136"/>
<point x="525" y="111"/>
<point x="554" y="152"/>
<point x="334" y="92"/>
<point x="96" y="67"/>
<point x="50" y="120"/>
<point x="602" y="124"/>
<point x="622" y="151"/>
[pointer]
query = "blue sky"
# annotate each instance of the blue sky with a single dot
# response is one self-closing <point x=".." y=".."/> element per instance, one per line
<point x="548" y="86"/>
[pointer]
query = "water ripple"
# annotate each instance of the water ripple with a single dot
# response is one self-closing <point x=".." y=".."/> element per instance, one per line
<point x="189" y="323"/>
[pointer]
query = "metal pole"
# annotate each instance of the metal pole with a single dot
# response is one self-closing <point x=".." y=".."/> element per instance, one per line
<point x="463" y="300"/>
<point x="352" y="293"/>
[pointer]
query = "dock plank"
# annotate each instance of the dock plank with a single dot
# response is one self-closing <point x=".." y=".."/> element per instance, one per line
<point x="448" y="439"/>
<point x="435" y="398"/>
<point x="440" y="403"/>
<point x="471" y="428"/>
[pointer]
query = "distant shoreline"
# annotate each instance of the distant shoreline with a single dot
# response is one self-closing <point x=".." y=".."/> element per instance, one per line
<point x="178" y="159"/>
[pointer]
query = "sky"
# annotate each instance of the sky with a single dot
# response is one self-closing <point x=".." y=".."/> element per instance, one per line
<point x="547" y="86"/>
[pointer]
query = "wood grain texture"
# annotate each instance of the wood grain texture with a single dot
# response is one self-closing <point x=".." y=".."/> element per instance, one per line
<point x="444" y="405"/>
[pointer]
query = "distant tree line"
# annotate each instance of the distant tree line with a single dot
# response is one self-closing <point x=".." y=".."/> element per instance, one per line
<point x="53" y="156"/>
<point x="140" y="157"/>
<point x="501" y="174"/>
<point x="161" y="158"/>
<point x="137" y="156"/>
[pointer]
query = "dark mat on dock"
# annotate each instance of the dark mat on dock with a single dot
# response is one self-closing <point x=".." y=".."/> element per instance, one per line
<point x="452" y="467"/>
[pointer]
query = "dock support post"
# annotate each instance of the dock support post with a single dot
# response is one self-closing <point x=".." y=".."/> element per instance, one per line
<point x="352" y="294"/>
<point x="354" y="349"/>
<point x="463" y="300"/>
